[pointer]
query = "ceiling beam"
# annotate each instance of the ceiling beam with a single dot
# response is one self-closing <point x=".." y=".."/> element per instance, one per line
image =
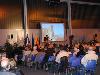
<point x="88" y="3"/>
<point x="78" y="2"/>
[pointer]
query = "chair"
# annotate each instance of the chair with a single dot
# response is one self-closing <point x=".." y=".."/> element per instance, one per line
<point x="38" y="59"/>
<point x="51" y="64"/>
<point x="71" y="59"/>
<point x="59" y="68"/>
<point x="27" y="60"/>
<point x="74" y="64"/>
<point x="33" y="58"/>
<point x="90" y="67"/>
<point x="19" y="59"/>
<point x="51" y="58"/>
<point x="63" y="65"/>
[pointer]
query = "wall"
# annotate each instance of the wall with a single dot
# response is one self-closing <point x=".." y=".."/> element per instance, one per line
<point x="18" y="34"/>
<point x="86" y="34"/>
<point x="6" y="35"/>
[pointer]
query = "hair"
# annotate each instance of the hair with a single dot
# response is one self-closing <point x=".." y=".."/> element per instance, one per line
<point x="12" y="63"/>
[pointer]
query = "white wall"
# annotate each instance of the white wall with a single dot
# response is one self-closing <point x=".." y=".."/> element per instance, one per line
<point x="18" y="34"/>
<point x="4" y="33"/>
<point x="87" y="34"/>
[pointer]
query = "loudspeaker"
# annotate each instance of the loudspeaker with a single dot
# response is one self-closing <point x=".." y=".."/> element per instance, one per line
<point x="11" y="36"/>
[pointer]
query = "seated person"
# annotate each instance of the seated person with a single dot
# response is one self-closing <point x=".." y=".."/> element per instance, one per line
<point x="62" y="53"/>
<point x="12" y="63"/>
<point x="4" y="64"/>
<point x="8" y="67"/>
<point x="34" y="51"/>
<point x="81" y="51"/>
<point x="91" y="55"/>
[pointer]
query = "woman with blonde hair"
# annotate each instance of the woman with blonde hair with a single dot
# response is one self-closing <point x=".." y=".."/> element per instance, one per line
<point x="12" y="63"/>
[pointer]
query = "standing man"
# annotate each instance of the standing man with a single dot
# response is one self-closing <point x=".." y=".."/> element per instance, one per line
<point x="47" y="38"/>
<point x="27" y="40"/>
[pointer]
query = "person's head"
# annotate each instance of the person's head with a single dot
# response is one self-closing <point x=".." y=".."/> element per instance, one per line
<point x="67" y="50"/>
<point x="77" y="45"/>
<point x="29" y="42"/>
<point x="81" y="47"/>
<point x="46" y="35"/>
<point x="75" y="49"/>
<point x="50" y="45"/>
<point x="4" y="55"/>
<point x="12" y="63"/>
<point x="90" y="48"/>
<point x="86" y="45"/>
<point x="35" y="47"/>
<point x="97" y="44"/>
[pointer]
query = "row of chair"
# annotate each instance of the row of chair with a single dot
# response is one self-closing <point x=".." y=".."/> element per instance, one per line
<point x="71" y="65"/>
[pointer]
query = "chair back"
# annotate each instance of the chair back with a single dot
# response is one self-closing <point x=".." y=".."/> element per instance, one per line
<point x="74" y="61"/>
<point x="71" y="59"/>
<point x="39" y="57"/>
<point x="63" y="64"/>
<point x="91" y="65"/>
<point x="33" y="57"/>
<point x="51" y="58"/>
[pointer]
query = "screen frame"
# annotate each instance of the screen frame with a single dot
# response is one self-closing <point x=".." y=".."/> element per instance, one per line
<point x="51" y="23"/>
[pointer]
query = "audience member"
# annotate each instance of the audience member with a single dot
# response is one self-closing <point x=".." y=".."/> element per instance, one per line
<point x="62" y="53"/>
<point x="81" y="51"/>
<point x="91" y="55"/>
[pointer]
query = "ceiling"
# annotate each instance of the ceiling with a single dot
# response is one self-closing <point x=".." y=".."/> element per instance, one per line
<point x="94" y="1"/>
<point x="82" y="14"/>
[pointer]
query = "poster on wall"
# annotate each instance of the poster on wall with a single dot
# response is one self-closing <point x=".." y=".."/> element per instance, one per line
<point x="8" y="36"/>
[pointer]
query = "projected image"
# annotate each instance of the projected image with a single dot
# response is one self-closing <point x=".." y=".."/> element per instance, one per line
<point x="55" y="31"/>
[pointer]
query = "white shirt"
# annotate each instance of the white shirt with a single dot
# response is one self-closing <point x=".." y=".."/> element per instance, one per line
<point x="61" y="54"/>
<point x="27" y="41"/>
<point x="35" y="47"/>
<point x="27" y="52"/>
<point x="34" y="52"/>
<point x="90" y="56"/>
<point x="4" y="62"/>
